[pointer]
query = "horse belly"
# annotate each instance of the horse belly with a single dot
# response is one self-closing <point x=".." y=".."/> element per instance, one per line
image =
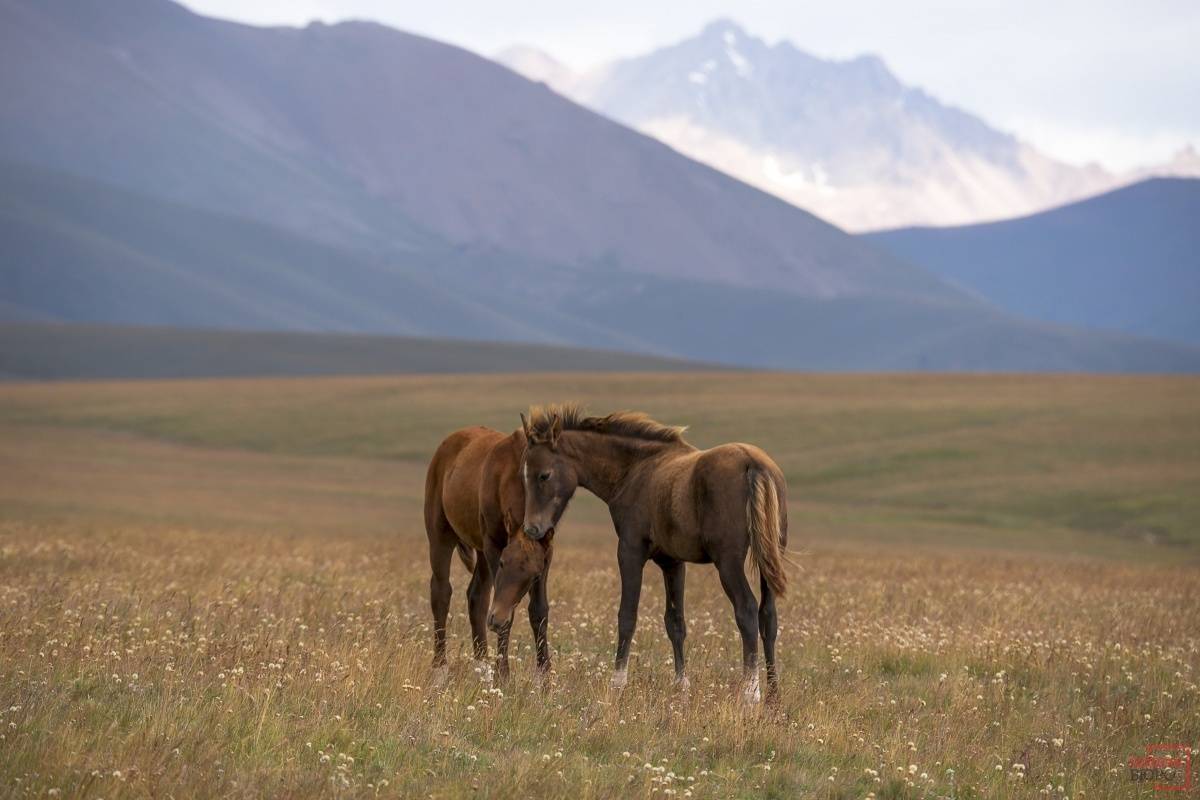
<point x="682" y="548"/>
<point x="464" y="518"/>
<point x="676" y="530"/>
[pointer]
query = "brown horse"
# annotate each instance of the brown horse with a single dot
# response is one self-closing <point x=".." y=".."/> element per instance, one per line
<point x="474" y="503"/>
<point x="672" y="504"/>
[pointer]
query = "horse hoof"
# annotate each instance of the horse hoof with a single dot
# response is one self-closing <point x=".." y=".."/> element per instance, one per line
<point x="541" y="680"/>
<point x="682" y="684"/>
<point x="619" y="679"/>
<point x="484" y="670"/>
<point x="752" y="693"/>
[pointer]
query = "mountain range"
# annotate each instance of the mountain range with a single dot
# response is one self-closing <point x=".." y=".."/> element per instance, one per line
<point x="846" y="140"/>
<point x="163" y="168"/>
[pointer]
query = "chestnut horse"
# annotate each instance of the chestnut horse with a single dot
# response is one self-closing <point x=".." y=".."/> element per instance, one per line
<point x="474" y="503"/>
<point x="672" y="504"/>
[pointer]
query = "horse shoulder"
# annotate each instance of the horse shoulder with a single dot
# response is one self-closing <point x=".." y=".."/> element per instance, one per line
<point x="461" y="489"/>
<point x="502" y="500"/>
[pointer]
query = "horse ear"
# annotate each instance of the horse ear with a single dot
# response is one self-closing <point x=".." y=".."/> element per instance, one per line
<point x="555" y="430"/>
<point x="525" y="426"/>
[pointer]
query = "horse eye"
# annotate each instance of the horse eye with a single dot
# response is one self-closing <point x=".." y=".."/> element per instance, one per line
<point x="545" y="476"/>
<point x="501" y="563"/>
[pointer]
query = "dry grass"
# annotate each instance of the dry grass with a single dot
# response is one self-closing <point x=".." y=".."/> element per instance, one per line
<point x="219" y="589"/>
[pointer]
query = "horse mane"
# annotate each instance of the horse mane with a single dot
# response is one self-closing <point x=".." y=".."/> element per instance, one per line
<point x="634" y="424"/>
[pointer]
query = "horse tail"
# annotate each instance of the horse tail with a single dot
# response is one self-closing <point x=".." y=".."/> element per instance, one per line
<point x="467" y="556"/>
<point x="766" y="536"/>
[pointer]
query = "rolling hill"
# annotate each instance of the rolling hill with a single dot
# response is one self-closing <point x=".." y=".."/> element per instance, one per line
<point x="76" y="250"/>
<point x="51" y="351"/>
<point x="360" y="135"/>
<point x="1126" y="261"/>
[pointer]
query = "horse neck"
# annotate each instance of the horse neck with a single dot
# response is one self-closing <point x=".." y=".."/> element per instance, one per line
<point x="603" y="462"/>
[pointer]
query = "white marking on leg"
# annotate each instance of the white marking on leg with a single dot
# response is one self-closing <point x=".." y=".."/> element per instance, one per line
<point x="752" y="694"/>
<point x="620" y="678"/>
<point x="683" y="684"/>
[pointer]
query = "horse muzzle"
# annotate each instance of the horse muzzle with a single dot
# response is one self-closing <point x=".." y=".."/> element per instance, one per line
<point x="496" y="625"/>
<point x="536" y="533"/>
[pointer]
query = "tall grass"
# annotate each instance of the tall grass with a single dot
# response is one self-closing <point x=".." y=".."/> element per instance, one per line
<point x="208" y="664"/>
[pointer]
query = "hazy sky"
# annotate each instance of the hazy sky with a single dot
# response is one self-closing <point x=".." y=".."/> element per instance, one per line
<point x="1117" y="82"/>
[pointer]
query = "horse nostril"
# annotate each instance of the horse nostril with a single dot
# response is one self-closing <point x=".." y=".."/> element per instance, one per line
<point x="531" y="531"/>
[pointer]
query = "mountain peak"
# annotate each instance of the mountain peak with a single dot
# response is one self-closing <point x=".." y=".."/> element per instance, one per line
<point x="844" y="137"/>
<point x="723" y="27"/>
<point x="723" y="41"/>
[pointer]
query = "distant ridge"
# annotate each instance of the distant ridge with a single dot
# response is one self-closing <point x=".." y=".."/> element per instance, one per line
<point x="51" y="351"/>
<point x="1127" y="261"/>
<point x="76" y="250"/>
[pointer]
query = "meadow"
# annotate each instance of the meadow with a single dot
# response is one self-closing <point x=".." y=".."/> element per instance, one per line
<point x="218" y="588"/>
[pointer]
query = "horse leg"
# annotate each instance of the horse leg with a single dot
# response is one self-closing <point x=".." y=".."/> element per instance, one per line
<point x="745" y="611"/>
<point x="539" y="617"/>
<point x="631" y="559"/>
<point x="491" y="553"/>
<point x="674" y="576"/>
<point x="502" y="651"/>
<point x="441" y="551"/>
<point x="479" y="596"/>
<point x="768" y="628"/>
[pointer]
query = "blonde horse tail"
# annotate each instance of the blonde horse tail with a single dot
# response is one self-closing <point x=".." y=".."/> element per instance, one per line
<point x="766" y="545"/>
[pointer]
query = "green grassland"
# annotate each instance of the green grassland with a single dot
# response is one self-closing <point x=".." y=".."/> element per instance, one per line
<point x="1090" y="465"/>
<point x="219" y="588"/>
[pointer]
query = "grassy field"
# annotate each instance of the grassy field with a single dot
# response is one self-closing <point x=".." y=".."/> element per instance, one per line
<point x="218" y="588"/>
